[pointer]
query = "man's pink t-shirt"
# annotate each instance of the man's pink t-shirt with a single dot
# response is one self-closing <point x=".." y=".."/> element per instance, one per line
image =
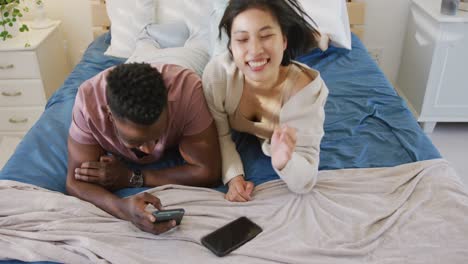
<point x="188" y="113"/>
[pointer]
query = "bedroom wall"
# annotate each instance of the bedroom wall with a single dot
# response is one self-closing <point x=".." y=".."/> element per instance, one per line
<point x="76" y="25"/>
<point x="385" y="29"/>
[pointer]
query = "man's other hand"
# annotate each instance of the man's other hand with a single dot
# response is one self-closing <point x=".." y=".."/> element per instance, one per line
<point x="109" y="172"/>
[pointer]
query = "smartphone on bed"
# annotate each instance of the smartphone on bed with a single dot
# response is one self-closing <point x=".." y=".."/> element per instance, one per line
<point x="170" y="214"/>
<point x="231" y="236"/>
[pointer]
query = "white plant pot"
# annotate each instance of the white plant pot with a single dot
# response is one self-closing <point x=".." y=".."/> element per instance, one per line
<point x="41" y="20"/>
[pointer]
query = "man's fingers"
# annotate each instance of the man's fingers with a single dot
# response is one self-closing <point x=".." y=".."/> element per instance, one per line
<point x="159" y="228"/>
<point x="87" y="172"/>
<point x="91" y="165"/>
<point x="106" y="158"/>
<point x="151" y="199"/>
<point x="148" y="224"/>
<point x="149" y="216"/>
<point x="86" y="178"/>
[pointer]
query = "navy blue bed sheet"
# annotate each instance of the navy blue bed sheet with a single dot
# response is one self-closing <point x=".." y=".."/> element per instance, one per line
<point x="367" y="124"/>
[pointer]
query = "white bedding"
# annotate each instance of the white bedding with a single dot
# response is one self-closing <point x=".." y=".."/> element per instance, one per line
<point x="413" y="213"/>
<point x="156" y="45"/>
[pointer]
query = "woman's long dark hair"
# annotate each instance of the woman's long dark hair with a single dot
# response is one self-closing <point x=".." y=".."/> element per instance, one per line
<point x="293" y="21"/>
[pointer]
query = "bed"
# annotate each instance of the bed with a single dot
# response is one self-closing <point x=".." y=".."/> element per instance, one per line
<point x="384" y="194"/>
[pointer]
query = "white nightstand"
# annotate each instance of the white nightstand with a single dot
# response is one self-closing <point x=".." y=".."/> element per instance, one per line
<point x="28" y="76"/>
<point x="433" y="75"/>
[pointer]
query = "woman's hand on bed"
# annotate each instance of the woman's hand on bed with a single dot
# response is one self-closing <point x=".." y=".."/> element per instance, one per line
<point x="283" y="143"/>
<point x="239" y="190"/>
<point x="109" y="172"/>
<point x="134" y="210"/>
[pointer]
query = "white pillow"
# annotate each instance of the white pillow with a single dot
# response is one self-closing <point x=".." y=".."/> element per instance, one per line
<point x="155" y="46"/>
<point x="173" y="34"/>
<point x="168" y="11"/>
<point x="217" y="46"/>
<point x="127" y="18"/>
<point x="332" y="19"/>
<point x="195" y="13"/>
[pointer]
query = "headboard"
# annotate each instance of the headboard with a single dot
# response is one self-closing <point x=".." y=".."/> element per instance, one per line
<point x="357" y="15"/>
<point x="99" y="19"/>
<point x="101" y="23"/>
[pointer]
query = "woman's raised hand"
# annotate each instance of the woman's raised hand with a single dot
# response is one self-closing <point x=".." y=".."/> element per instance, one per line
<point x="283" y="143"/>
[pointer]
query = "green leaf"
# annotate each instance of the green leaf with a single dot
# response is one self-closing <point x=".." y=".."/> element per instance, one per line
<point x="27" y="45"/>
<point x="6" y="14"/>
<point x="24" y="27"/>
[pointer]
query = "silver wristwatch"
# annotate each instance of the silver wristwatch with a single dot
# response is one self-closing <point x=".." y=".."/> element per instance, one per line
<point x="136" y="180"/>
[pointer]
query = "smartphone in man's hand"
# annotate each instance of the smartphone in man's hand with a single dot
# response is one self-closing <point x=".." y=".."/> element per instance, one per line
<point x="170" y="214"/>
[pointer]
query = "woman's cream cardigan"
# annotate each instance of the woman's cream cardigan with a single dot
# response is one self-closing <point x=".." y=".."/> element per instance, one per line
<point x="223" y="84"/>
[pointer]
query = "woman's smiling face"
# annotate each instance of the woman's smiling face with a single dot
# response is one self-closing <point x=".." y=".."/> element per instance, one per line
<point x="257" y="44"/>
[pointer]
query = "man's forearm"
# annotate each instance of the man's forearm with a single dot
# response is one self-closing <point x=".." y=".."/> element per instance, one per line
<point x="96" y="195"/>
<point x="186" y="174"/>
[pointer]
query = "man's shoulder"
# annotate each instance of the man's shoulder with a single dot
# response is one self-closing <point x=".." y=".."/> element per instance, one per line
<point x="92" y="92"/>
<point x="97" y="82"/>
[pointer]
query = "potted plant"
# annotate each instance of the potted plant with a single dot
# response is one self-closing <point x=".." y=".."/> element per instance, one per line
<point x="10" y="12"/>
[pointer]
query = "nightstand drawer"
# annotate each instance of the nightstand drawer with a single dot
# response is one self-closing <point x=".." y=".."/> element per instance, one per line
<point x="18" y="119"/>
<point x="21" y="93"/>
<point x="19" y="65"/>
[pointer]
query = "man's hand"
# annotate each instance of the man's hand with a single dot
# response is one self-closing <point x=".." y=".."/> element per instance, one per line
<point x="239" y="190"/>
<point x="283" y="143"/>
<point x="108" y="172"/>
<point x="133" y="209"/>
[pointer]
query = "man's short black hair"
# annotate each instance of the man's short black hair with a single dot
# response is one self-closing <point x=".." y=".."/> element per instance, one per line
<point x="136" y="92"/>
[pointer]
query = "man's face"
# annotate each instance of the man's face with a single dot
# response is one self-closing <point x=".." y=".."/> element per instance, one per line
<point x="141" y="137"/>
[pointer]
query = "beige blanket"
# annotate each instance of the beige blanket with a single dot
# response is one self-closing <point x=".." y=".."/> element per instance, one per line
<point x="414" y="213"/>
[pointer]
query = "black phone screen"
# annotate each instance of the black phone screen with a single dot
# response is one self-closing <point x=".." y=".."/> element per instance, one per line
<point x="231" y="236"/>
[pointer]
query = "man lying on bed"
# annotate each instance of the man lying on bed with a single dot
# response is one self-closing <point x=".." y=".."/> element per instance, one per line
<point x="134" y="112"/>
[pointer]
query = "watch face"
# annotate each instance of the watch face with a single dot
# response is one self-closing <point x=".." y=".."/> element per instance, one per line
<point x="137" y="179"/>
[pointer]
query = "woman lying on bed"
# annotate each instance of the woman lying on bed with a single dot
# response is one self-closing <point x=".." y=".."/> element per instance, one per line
<point x="257" y="88"/>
